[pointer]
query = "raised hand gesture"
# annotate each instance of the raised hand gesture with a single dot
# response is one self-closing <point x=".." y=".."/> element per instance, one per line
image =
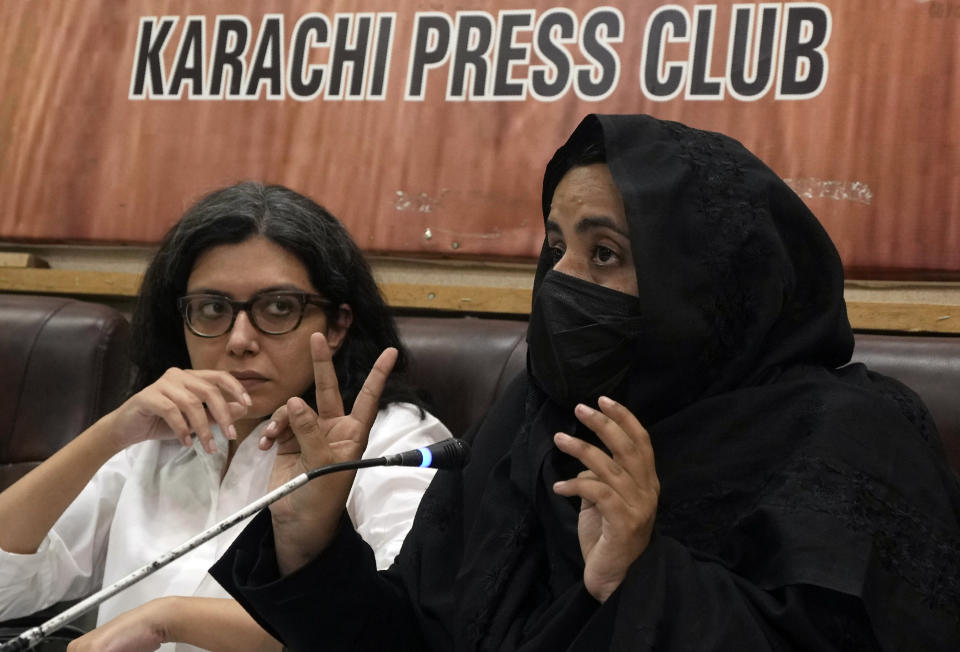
<point x="618" y="493"/>
<point x="182" y="403"/>
<point x="305" y="521"/>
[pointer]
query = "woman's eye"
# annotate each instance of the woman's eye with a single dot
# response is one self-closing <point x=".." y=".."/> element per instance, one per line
<point x="556" y="253"/>
<point x="280" y="306"/>
<point x="212" y="309"/>
<point x="604" y="255"/>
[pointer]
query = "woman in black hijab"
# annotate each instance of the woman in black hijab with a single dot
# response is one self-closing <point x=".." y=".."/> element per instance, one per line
<point x="795" y="503"/>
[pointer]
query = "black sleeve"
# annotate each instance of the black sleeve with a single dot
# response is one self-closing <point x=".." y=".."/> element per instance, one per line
<point x="338" y="601"/>
<point x="674" y="601"/>
<point x="671" y="600"/>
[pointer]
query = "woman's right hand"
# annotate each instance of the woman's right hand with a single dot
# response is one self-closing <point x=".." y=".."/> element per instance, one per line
<point x="180" y="404"/>
<point x="305" y="521"/>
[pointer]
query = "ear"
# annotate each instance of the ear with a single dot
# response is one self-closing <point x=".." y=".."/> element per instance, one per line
<point x="337" y="328"/>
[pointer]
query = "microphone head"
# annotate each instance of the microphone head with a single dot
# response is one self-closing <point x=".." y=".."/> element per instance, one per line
<point x="448" y="454"/>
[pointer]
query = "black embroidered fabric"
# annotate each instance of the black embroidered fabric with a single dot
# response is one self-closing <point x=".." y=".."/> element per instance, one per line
<point x="776" y="463"/>
<point x="925" y="556"/>
<point x="760" y="434"/>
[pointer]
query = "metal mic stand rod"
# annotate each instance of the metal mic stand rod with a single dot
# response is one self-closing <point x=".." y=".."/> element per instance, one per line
<point x="34" y="635"/>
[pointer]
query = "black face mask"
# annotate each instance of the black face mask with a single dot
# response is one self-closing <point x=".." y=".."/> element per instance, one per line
<point x="580" y="339"/>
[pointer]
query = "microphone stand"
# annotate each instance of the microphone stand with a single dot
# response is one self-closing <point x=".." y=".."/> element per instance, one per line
<point x="34" y="635"/>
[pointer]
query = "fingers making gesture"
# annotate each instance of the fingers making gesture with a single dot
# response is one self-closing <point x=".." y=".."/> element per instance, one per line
<point x="181" y="404"/>
<point x="618" y="492"/>
<point x="306" y="520"/>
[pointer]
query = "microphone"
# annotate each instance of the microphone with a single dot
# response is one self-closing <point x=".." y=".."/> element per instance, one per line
<point x="447" y="454"/>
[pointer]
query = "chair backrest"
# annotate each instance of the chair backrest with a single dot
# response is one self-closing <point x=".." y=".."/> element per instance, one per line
<point x="64" y="364"/>
<point x="464" y="363"/>
<point x="930" y="366"/>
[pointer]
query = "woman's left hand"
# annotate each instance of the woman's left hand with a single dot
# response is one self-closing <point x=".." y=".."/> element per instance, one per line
<point x="618" y="494"/>
<point x="142" y="629"/>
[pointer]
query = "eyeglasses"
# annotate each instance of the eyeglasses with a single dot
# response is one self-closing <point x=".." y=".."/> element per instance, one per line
<point x="272" y="313"/>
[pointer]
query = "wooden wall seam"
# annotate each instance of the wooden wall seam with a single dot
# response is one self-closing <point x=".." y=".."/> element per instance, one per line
<point x="899" y="316"/>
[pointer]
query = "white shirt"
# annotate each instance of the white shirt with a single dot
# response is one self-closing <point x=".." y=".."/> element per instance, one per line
<point x="155" y="495"/>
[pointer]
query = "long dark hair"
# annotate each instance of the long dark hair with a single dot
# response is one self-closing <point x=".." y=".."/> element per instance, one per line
<point x="334" y="263"/>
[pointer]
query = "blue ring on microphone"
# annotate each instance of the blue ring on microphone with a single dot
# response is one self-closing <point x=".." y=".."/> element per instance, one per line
<point x="427" y="457"/>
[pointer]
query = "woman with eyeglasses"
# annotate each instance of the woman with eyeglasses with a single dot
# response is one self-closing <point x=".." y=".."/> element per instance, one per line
<point x="222" y="333"/>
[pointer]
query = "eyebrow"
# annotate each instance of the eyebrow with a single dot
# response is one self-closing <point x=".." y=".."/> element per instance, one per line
<point x="590" y="222"/>
<point x="285" y="287"/>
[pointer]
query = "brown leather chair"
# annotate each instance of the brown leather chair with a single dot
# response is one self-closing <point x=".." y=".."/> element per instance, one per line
<point x="64" y="364"/>
<point x="463" y="364"/>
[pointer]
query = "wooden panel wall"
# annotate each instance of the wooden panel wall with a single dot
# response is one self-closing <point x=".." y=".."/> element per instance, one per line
<point x="874" y="148"/>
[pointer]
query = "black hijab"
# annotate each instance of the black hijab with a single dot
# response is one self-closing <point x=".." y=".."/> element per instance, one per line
<point x="735" y="275"/>
<point x="776" y="462"/>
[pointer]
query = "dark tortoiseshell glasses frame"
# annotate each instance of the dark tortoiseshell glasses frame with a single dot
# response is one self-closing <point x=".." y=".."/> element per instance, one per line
<point x="256" y="308"/>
